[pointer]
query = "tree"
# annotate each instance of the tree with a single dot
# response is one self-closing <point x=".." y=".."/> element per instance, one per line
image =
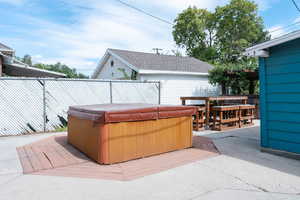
<point x="176" y="52"/>
<point x="62" y="68"/>
<point x="194" y="31"/>
<point x="238" y="27"/>
<point x="220" y="36"/>
<point x="238" y="85"/>
<point x="27" y="60"/>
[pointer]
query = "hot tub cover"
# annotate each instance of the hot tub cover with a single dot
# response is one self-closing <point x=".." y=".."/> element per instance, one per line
<point x="107" y="113"/>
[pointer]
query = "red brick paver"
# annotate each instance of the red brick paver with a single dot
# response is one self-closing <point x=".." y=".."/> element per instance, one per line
<point x="55" y="157"/>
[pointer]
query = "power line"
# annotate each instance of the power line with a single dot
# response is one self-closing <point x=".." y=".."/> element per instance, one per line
<point x="296" y="5"/>
<point x="144" y="12"/>
<point x="284" y="27"/>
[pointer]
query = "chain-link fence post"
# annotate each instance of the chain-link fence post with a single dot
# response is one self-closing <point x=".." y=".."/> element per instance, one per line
<point x="44" y="106"/>
<point x="110" y="92"/>
<point x="159" y="92"/>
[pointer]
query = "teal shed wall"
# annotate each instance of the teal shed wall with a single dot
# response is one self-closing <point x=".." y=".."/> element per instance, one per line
<point x="280" y="97"/>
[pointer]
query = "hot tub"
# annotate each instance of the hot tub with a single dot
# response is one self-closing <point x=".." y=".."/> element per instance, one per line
<point x="113" y="133"/>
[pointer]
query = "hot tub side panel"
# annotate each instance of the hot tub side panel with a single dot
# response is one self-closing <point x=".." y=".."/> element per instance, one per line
<point x="85" y="136"/>
<point x="132" y="140"/>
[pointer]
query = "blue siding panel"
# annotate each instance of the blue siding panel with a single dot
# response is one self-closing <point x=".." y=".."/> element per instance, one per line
<point x="281" y="69"/>
<point x="283" y="78"/>
<point x="284" y="126"/>
<point x="284" y="116"/>
<point x="283" y="60"/>
<point x="280" y="97"/>
<point x="285" y="136"/>
<point x="285" y="146"/>
<point x="288" y="97"/>
<point x="283" y="107"/>
<point x="263" y="124"/>
<point x="284" y="88"/>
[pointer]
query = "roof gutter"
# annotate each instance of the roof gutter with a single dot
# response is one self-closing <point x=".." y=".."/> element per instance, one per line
<point x="7" y="50"/>
<point x="172" y="72"/>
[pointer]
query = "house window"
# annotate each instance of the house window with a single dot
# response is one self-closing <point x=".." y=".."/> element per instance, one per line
<point x="112" y="63"/>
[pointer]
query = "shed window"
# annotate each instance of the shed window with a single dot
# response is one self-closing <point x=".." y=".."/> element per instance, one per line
<point x="112" y="63"/>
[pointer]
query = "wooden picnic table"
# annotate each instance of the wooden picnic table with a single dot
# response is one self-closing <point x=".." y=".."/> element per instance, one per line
<point x="213" y="98"/>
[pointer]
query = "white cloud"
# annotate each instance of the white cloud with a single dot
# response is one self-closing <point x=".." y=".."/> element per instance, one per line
<point x="279" y="30"/>
<point x="106" y="25"/>
<point x="210" y="5"/>
<point x="80" y="45"/>
<point x="265" y="4"/>
<point x="297" y="20"/>
<point x="276" y="31"/>
<point x="180" y="4"/>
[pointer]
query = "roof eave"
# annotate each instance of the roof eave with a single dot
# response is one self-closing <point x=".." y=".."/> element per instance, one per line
<point x="36" y="69"/>
<point x="104" y="58"/>
<point x="257" y="50"/>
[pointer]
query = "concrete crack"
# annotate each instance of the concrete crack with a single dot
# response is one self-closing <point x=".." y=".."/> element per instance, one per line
<point x="241" y="180"/>
<point x="10" y="180"/>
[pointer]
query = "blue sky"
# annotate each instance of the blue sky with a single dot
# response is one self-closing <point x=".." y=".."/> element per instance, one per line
<point x="77" y="32"/>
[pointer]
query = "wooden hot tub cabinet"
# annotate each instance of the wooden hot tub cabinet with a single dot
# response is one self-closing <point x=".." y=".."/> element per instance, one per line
<point x="113" y="133"/>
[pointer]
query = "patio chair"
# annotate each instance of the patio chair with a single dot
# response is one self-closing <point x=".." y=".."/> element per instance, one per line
<point x="246" y="115"/>
<point x="198" y="119"/>
<point x="225" y="117"/>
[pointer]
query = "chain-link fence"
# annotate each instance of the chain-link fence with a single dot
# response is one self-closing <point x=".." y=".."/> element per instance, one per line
<point x="40" y="104"/>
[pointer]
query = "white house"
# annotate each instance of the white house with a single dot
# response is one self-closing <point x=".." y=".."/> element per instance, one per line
<point x="179" y="76"/>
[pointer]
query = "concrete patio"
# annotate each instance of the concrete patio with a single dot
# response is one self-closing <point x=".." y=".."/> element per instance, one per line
<point x="241" y="172"/>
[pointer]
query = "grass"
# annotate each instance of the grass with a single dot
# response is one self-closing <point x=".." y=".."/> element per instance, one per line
<point x="61" y="129"/>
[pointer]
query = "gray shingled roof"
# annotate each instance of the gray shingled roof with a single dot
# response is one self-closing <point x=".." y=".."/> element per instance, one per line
<point x="150" y="61"/>
<point x="4" y="47"/>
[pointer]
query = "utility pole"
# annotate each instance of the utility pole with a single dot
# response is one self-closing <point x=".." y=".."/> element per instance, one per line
<point x="156" y="50"/>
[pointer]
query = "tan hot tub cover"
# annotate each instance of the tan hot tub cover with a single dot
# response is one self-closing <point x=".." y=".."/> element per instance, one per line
<point x="111" y="133"/>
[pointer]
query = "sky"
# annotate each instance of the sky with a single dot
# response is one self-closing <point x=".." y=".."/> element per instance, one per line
<point x="78" y="32"/>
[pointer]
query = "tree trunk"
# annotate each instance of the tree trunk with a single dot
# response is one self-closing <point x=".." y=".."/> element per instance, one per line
<point x="224" y="92"/>
<point x="251" y="87"/>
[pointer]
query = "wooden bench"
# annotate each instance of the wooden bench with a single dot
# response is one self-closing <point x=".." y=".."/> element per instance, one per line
<point x="198" y="119"/>
<point x="225" y="117"/>
<point x="246" y="115"/>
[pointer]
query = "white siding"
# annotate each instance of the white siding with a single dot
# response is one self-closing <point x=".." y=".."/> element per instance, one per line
<point x="113" y="72"/>
<point x="175" y="86"/>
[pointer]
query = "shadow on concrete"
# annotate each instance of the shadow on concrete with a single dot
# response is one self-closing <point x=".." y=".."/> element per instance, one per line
<point x="244" y="144"/>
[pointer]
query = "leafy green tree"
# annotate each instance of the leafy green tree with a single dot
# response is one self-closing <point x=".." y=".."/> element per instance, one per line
<point x="62" y="68"/>
<point x="220" y="36"/>
<point x="194" y="31"/>
<point x="239" y="84"/>
<point x="238" y="27"/>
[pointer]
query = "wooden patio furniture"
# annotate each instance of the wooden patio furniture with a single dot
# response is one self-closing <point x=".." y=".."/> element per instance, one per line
<point x="198" y="119"/>
<point x="246" y="115"/>
<point x="225" y="117"/>
<point x="209" y="100"/>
